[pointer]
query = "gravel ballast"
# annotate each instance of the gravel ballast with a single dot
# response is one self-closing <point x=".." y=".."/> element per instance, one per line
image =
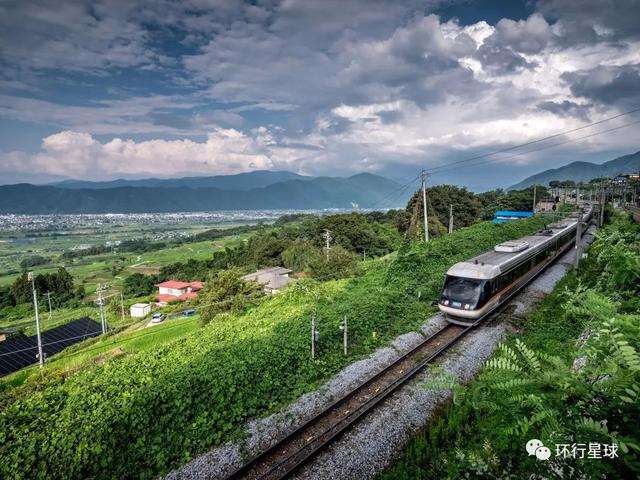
<point x="371" y="445"/>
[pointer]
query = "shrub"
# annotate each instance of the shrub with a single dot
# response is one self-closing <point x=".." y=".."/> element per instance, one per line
<point x="338" y="263"/>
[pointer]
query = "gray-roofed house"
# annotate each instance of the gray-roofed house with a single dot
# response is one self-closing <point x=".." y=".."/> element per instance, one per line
<point x="272" y="279"/>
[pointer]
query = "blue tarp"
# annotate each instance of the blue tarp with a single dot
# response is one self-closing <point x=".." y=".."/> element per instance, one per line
<point x="502" y="216"/>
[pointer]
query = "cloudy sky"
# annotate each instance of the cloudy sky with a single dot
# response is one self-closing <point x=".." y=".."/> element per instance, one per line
<point x="108" y="89"/>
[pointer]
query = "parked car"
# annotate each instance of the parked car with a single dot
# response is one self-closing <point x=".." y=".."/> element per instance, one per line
<point x="158" y="317"/>
<point x="189" y="312"/>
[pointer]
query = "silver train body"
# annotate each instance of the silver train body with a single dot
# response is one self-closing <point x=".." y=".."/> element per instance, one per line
<point x="479" y="285"/>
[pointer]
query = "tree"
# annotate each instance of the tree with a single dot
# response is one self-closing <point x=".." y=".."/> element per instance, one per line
<point x="32" y="261"/>
<point x="356" y="233"/>
<point x="21" y="289"/>
<point x="6" y="297"/>
<point x="339" y="263"/>
<point x="300" y="255"/>
<point x="519" y="200"/>
<point x="138" y="285"/>
<point x="415" y="228"/>
<point x="226" y="292"/>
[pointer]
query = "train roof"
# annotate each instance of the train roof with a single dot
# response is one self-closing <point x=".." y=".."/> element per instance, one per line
<point x="492" y="263"/>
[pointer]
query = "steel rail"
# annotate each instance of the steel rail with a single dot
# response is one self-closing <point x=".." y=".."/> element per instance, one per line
<point x="353" y="392"/>
<point x="317" y="443"/>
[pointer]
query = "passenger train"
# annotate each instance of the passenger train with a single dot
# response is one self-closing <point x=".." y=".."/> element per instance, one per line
<point x="476" y="287"/>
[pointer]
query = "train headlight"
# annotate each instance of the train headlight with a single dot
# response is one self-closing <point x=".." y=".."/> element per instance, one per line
<point x="467" y="306"/>
<point x="445" y="302"/>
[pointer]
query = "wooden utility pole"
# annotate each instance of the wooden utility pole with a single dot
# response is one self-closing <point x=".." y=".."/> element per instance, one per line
<point x="423" y="174"/>
<point x="450" y="219"/>
<point x="35" y="308"/>
<point x="122" y="305"/>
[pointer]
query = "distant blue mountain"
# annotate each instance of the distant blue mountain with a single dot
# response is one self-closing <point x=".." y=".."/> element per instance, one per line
<point x="240" y="181"/>
<point x="583" y="171"/>
<point x="364" y="190"/>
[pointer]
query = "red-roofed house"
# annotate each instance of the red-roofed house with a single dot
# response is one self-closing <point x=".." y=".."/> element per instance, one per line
<point x="173" y="290"/>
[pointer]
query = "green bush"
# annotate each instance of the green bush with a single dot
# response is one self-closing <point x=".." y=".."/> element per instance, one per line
<point x="337" y="263"/>
<point x="226" y="292"/>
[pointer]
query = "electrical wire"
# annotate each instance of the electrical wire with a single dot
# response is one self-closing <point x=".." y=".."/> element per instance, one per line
<point x="442" y="169"/>
<point x="402" y="187"/>
<point x="514" y="147"/>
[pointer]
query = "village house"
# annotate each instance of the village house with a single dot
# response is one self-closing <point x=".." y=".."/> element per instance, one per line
<point x="139" y="310"/>
<point x="272" y="279"/>
<point x="176" y="291"/>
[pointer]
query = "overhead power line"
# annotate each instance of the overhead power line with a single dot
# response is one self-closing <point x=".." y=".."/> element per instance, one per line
<point x="447" y="168"/>
<point x="532" y="142"/>
<point x="387" y="198"/>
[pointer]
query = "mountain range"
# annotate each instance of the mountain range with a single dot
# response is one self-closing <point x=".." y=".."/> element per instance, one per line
<point x="583" y="171"/>
<point x="240" y="181"/>
<point x="251" y="191"/>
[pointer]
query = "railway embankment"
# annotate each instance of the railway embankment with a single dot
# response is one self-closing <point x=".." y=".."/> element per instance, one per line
<point x="567" y="374"/>
<point x="369" y="447"/>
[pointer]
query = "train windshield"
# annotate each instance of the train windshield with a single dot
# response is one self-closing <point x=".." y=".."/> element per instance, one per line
<point x="464" y="290"/>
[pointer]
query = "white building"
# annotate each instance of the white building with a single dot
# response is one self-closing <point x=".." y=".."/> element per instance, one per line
<point x="272" y="279"/>
<point x="139" y="310"/>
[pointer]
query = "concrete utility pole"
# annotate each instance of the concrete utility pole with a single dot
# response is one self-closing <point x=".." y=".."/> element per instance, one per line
<point x="327" y="237"/>
<point x="314" y="335"/>
<point x="450" y="219"/>
<point x="603" y="200"/>
<point x="122" y="305"/>
<point x="35" y="308"/>
<point x="49" y="300"/>
<point x="533" y="209"/>
<point x="103" y="321"/>
<point x="578" y="245"/>
<point x="423" y="175"/>
<point x="343" y="327"/>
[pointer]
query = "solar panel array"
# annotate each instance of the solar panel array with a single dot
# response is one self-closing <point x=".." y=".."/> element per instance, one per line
<point x="20" y="351"/>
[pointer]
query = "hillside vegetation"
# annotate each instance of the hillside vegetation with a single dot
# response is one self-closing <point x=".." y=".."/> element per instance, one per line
<point x="570" y="376"/>
<point x="137" y="416"/>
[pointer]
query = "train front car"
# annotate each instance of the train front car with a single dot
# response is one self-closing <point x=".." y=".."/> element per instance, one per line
<point x="466" y="294"/>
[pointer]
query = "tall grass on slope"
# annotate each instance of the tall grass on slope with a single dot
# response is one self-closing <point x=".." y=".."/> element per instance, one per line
<point x="140" y="415"/>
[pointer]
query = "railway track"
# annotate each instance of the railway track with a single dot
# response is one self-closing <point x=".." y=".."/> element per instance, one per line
<point x="297" y="448"/>
<point x="293" y="451"/>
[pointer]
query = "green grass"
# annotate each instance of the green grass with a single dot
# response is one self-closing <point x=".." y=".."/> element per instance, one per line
<point x="97" y="268"/>
<point x="157" y="408"/>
